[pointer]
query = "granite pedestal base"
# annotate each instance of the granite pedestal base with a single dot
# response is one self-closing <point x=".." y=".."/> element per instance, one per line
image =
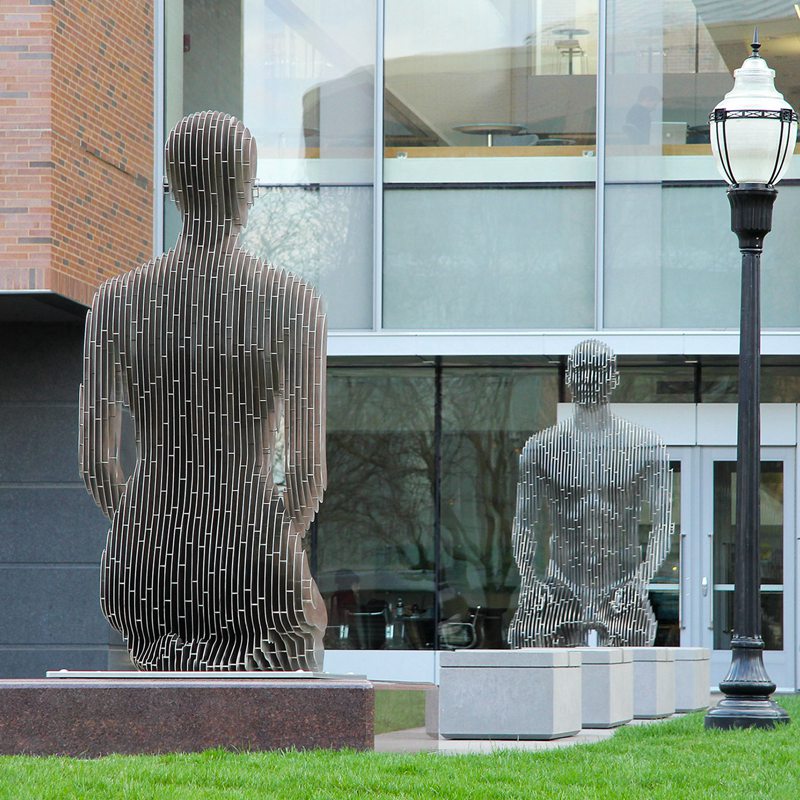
<point x="510" y="694"/>
<point x="692" y="678"/>
<point x="95" y="717"/>
<point x="653" y="682"/>
<point x="607" y="686"/>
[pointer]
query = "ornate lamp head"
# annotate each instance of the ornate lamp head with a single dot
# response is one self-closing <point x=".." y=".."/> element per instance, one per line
<point x="753" y="130"/>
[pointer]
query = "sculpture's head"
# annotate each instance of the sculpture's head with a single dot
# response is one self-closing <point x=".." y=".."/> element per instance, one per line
<point x="592" y="372"/>
<point x="211" y="167"/>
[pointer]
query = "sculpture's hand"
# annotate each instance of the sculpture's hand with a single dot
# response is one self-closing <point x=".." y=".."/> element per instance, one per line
<point x="626" y="597"/>
<point x="539" y="596"/>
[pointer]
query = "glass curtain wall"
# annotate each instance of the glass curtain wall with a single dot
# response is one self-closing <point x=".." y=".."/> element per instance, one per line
<point x="413" y="542"/>
<point x="489" y="169"/>
<point x="487" y="416"/>
<point x="668" y="63"/>
<point x="489" y="155"/>
<point x="373" y="546"/>
<point x="301" y="75"/>
<point x="412" y="548"/>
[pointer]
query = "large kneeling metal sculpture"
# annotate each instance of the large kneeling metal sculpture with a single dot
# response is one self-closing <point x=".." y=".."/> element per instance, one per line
<point x="585" y="487"/>
<point x="220" y="359"/>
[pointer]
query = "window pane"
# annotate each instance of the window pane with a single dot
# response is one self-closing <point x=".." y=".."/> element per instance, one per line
<point x="323" y="235"/>
<point x="489" y="258"/>
<point x="655" y="385"/>
<point x="300" y="75"/>
<point x="679" y="265"/>
<point x="665" y="588"/>
<point x="212" y="56"/>
<point x="669" y="62"/>
<point x="504" y="78"/>
<point x="487" y="416"/>
<point x="771" y="620"/>
<point x="779" y="384"/>
<point x="771" y="551"/>
<point x="374" y="545"/>
<point x="309" y="70"/>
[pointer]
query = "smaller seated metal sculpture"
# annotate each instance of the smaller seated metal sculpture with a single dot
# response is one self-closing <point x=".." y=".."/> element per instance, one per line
<point x="585" y="487"/>
<point x="220" y="359"/>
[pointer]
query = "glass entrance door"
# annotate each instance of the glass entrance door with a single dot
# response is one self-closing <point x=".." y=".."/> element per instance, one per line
<point x="718" y="556"/>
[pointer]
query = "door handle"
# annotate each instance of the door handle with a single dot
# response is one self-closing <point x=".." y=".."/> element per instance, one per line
<point x="682" y="582"/>
<point x="704" y="586"/>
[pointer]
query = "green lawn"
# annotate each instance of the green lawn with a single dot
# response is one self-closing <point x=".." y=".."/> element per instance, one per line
<point x="396" y="710"/>
<point x="669" y="760"/>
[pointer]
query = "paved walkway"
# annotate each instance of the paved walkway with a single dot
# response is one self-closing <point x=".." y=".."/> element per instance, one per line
<point x="415" y="740"/>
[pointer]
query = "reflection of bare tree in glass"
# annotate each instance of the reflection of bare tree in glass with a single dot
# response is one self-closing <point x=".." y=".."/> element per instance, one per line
<point x="379" y="511"/>
<point x="296" y="229"/>
<point x="481" y="447"/>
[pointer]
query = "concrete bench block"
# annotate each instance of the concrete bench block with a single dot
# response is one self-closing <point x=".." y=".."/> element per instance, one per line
<point x="692" y="678"/>
<point x="510" y="694"/>
<point x="653" y="682"/>
<point x="607" y="686"/>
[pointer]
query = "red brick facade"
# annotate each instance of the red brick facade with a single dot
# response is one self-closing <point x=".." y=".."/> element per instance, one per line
<point x="76" y="142"/>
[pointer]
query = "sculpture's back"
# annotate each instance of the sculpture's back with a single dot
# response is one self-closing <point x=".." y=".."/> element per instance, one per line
<point x="221" y="360"/>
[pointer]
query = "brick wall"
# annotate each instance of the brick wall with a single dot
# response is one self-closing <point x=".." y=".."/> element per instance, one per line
<point x="25" y="144"/>
<point x="76" y="142"/>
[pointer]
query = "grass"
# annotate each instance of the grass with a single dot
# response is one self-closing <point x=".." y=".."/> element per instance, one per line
<point x="675" y="759"/>
<point x="396" y="710"/>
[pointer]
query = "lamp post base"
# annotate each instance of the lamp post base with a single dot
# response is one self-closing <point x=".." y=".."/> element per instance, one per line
<point x="747" y="688"/>
<point x="746" y="712"/>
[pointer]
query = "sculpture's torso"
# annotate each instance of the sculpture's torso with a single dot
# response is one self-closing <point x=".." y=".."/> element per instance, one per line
<point x="587" y="487"/>
<point x="194" y="365"/>
<point x="593" y="481"/>
<point x="202" y="551"/>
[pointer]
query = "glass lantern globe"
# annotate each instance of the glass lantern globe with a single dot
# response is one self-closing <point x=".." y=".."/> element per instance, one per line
<point x="753" y="130"/>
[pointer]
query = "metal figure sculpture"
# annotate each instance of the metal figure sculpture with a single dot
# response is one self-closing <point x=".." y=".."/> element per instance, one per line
<point x="585" y="487"/>
<point x="220" y="359"/>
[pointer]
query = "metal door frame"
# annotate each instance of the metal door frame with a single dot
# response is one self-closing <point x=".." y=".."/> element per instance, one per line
<point x="781" y="666"/>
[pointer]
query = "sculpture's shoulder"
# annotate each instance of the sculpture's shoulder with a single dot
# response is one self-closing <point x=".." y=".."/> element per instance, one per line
<point x="295" y="288"/>
<point x="262" y="277"/>
<point x="641" y="440"/>
<point x="114" y="292"/>
<point x="637" y="434"/>
<point x="542" y="445"/>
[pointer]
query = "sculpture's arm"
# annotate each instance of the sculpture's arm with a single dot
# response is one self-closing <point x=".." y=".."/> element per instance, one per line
<point x="659" y="493"/>
<point x="99" y="427"/>
<point x="527" y="519"/>
<point x="304" y="360"/>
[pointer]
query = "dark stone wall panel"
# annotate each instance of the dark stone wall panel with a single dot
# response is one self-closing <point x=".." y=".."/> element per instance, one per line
<point x="34" y="662"/>
<point x="51" y="606"/>
<point x="49" y="525"/>
<point x="40" y="363"/>
<point x="39" y="444"/>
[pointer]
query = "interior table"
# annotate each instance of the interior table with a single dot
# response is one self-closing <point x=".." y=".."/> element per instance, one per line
<point x="490" y="129"/>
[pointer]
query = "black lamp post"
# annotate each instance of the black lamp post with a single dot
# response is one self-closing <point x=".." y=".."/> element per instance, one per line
<point x="753" y="133"/>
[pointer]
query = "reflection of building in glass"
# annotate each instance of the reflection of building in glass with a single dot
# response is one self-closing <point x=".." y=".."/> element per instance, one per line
<point x="457" y="279"/>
